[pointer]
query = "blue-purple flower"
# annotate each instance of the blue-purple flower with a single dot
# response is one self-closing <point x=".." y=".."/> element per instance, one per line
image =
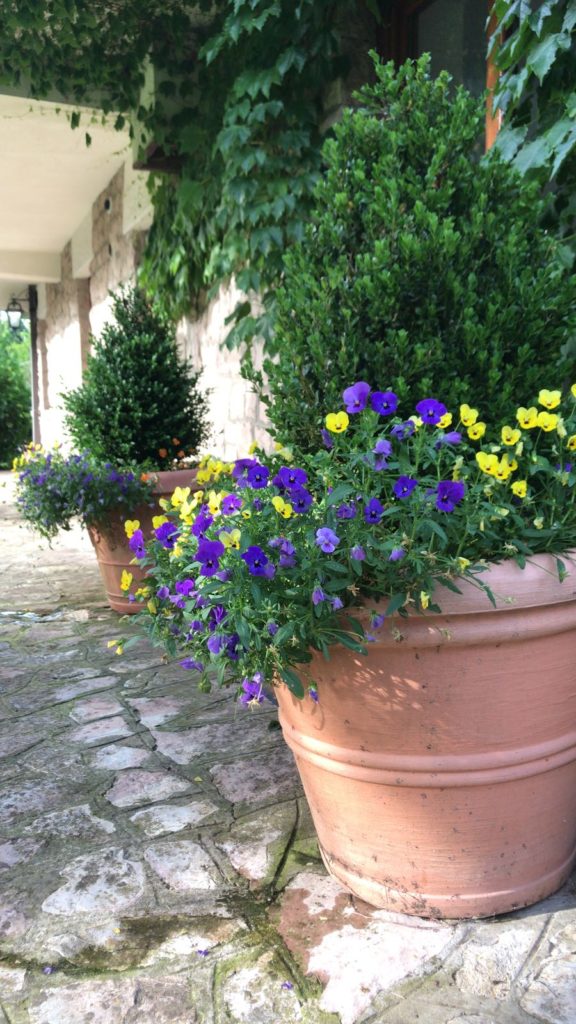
<point x="448" y="494"/>
<point x="192" y="663"/>
<point x="258" y="562"/>
<point x="290" y="477"/>
<point x="397" y="554"/>
<point x="452" y="437"/>
<point x="300" y="499"/>
<point x="357" y="553"/>
<point x="252" y="690"/>
<point x="431" y="411"/>
<point x="318" y="595"/>
<point x="346" y="511"/>
<point x="208" y="554"/>
<point x="257" y="476"/>
<point x="231" y="503"/>
<point x="136" y="544"/>
<point x="202" y="521"/>
<point x="356" y="397"/>
<point x="185" y="587"/>
<point x="404" y="486"/>
<point x="327" y="540"/>
<point x="241" y="467"/>
<point x="403" y="430"/>
<point x="326" y="438"/>
<point x="373" y="511"/>
<point x="384" y="402"/>
<point x="163" y="593"/>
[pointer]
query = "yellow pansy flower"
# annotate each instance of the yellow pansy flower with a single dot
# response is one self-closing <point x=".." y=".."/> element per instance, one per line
<point x="180" y="494"/>
<point x="424" y="599"/>
<point x="126" y="580"/>
<point x="488" y="463"/>
<point x="549" y="399"/>
<point x="561" y="428"/>
<point x="112" y="643"/>
<point x="285" y="453"/>
<point x="571" y="443"/>
<point x="510" y="435"/>
<point x="142" y="592"/>
<point x="463" y="563"/>
<point x="284" y="508"/>
<point x="158" y="520"/>
<point x="445" y="421"/>
<point x="164" y="503"/>
<point x="527" y="418"/>
<point x="230" y="538"/>
<point x="503" y="469"/>
<point x="547" y="421"/>
<point x="519" y="488"/>
<point x="539" y="523"/>
<point x="204" y="476"/>
<point x="214" y="502"/>
<point x="573" y="390"/>
<point x="130" y="526"/>
<point x="152" y="607"/>
<point x="337" y="422"/>
<point x="476" y="431"/>
<point x="468" y="416"/>
<point x="246" y="513"/>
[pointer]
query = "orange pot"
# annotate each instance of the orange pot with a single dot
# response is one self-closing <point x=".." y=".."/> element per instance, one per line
<point x="111" y="543"/>
<point x="441" y="769"/>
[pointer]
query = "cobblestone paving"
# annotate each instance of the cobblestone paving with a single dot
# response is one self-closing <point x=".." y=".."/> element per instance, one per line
<point x="158" y="863"/>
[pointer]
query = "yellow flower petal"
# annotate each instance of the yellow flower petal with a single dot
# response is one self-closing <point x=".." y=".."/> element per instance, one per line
<point x="547" y="421"/>
<point x="527" y="418"/>
<point x="476" y="431"/>
<point x="571" y="443"/>
<point x="519" y="488"/>
<point x="126" y="580"/>
<point x="510" y="435"/>
<point x="337" y="422"/>
<point x="549" y="399"/>
<point x="424" y="599"/>
<point x="468" y="416"/>
<point x="130" y="526"/>
<point x="158" y="520"/>
<point x="445" y="421"/>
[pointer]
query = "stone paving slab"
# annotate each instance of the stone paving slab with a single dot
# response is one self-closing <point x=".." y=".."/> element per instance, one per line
<point x="158" y="864"/>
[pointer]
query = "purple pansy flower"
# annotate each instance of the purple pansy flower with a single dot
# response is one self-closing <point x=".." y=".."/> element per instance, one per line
<point x="373" y="511"/>
<point x="313" y="693"/>
<point x="357" y="553"/>
<point x="382" y="447"/>
<point x="452" y="437"/>
<point x="163" y="593"/>
<point x="216" y="642"/>
<point x="167" y="534"/>
<point x="257" y="560"/>
<point x="327" y="438"/>
<point x="272" y="628"/>
<point x="216" y="617"/>
<point x="257" y="476"/>
<point x="346" y="511"/>
<point x="356" y="397"/>
<point x="318" y="595"/>
<point x="327" y="540"/>
<point x="241" y="467"/>
<point x="300" y="499"/>
<point x="209" y="551"/>
<point x="202" y="521"/>
<point x="403" y="430"/>
<point x="377" y="620"/>
<point x="384" y="402"/>
<point x="136" y="544"/>
<point x="396" y="555"/>
<point x="231" y="503"/>
<point x="185" y="587"/>
<point x="192" y="663"/>
<point x="336" y="603"/>
<point x="448" y="494"/>
<point x="288" y="478"/>
<point x="431" y="411"/>
<point x="404" y="486"/>
<point x="253" y="693"/>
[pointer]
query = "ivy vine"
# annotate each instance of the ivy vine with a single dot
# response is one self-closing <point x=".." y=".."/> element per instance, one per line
<point x="237" y="114"/>
<point x="535" y="50"/>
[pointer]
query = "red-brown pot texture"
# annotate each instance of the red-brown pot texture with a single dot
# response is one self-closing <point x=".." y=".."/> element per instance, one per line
<point x="111" y="543"/>
<point x="441" y="769"/>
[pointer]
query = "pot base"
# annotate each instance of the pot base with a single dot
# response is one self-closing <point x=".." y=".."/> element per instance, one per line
<point x="447" y="906"/>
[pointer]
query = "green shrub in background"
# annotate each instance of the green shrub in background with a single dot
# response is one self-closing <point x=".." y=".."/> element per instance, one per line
<point x="424" y="269"/>
<point x="15" y="398"/>
<point x="139" y="402"/>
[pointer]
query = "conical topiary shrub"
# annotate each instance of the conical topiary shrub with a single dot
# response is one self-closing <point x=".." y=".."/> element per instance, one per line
<point x="424" y="269"/>
<point x="139" y="401"/>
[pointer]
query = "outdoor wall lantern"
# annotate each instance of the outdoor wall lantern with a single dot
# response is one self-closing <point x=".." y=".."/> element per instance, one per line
<point x="14" y="313"/>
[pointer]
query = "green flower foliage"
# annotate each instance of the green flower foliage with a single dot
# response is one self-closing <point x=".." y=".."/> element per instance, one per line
<point x="15" y="400"/>
<point x="423" y="264"/>
<point x="535" y="50"/>
<point x="139" y="402"/>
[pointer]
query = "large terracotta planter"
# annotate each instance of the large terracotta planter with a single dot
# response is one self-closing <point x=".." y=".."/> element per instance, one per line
<point x="111" y="543"/>
<point x="441" y="769"/>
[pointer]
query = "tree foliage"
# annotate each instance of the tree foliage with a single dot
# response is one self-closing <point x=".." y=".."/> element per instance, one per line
<point x="424" y="269"/>
<point x="15" y="398"/>
<point x="139" y="402"/>
<point x="535" y="50"/>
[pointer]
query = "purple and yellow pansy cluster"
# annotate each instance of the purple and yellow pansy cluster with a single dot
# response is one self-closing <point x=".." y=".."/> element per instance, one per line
<point x="268" y="559"/>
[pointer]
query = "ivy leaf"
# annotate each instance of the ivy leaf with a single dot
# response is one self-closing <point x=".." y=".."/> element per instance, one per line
<point x="541" y="58"/>
<point x="534" y="154"/>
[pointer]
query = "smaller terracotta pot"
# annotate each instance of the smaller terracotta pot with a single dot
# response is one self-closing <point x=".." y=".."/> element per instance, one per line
<point x="111" y="543"/>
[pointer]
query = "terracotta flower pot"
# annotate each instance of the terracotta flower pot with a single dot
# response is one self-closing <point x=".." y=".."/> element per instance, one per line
<point x="111" y="543"/>
<point x="441" y="769"/>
